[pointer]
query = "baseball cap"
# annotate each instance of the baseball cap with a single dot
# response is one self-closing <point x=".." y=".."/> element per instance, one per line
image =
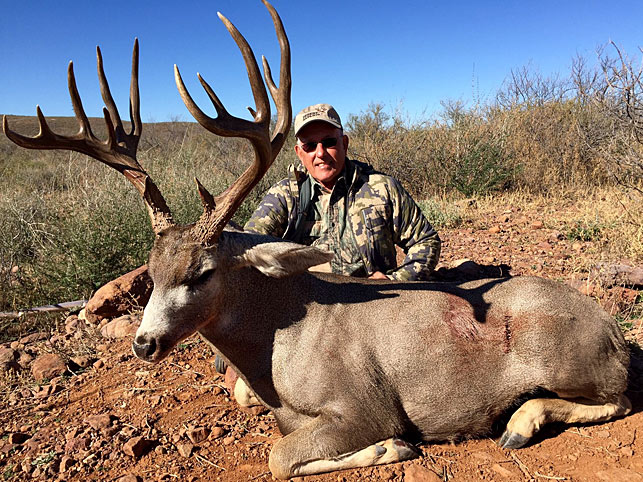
<point x="317" y="112"/>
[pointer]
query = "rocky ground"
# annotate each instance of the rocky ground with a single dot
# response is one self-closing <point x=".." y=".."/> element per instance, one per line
<point x="77" y="405"/>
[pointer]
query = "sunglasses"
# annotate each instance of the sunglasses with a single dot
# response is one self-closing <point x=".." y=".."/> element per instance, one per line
<point x="326" y="143"/>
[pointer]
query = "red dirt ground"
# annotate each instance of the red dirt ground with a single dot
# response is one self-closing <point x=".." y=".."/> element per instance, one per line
<point x="167" y="403"/>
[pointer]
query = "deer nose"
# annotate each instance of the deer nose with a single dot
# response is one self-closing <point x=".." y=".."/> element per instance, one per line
<point x="144" y="348"/>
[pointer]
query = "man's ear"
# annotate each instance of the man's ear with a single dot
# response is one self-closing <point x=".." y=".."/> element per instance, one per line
<point x="298" y="152"/>
<point x="345" y="140"/>
<point x="281" y="259"/>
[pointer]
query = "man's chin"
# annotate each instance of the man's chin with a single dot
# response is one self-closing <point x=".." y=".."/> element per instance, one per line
<point x="325" y="174"/>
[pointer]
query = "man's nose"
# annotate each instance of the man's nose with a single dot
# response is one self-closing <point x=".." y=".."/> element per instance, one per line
<point x="320" y="150"/>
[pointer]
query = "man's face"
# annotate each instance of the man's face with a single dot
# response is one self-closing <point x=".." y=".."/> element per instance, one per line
<point x="325" y="164"/>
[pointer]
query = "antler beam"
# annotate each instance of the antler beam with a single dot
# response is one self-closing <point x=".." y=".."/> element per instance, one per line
<point x="218" y="211"/>
<point x="117" y="151"/>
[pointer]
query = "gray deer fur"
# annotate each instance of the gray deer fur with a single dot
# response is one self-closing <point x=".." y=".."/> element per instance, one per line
<point x="359" y="361"/>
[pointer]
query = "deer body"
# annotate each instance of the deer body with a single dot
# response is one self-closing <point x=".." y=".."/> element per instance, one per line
<point x="363" y="361"/>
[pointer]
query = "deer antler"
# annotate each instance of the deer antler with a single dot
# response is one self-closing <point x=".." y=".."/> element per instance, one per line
<point x="118" y="151"/>
<point x="218" y="211"/>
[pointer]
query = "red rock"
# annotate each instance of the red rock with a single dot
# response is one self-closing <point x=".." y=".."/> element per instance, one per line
<point x="121" y="327"/>
<point x="47" y="390"/>
<point x="129" y="478"/>
<point x="216" y="433"/>
<point x="198" y="435"/>
<point x="136" y="447"/>
<point x="24" y="358"/>
<point x="65" y="463"/>
<point x="230" y="379"/>
<point x="627" y="295"/>
<point x="505" y="473"/>
<point x="99" y="422"/>
<point x="48" y="366"/>
<point x="417" y="473"/>
<point x="41" y="335"/>
<point x="8" y="359"/>
<point x="6" y="448"/>
<point x="618" y="274"/>
<point x="18" y="438"/>
<point x="185" y="449"/>
<point x="73" y="324"/>
<point x="537" y="225"/>
<point x="120" y="296"/>
<point x="8" y="355"/>
<point x="83" y="361"/>
<point x="494" y="229"/>
<point x="77" y="444"/>
<point x="619" y="475"/>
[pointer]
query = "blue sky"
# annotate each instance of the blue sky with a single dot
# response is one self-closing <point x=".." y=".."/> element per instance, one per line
<point x="348" y="53"/>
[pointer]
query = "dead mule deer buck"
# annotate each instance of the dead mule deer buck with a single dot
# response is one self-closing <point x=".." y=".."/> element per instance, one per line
<point x="350" y="367"/>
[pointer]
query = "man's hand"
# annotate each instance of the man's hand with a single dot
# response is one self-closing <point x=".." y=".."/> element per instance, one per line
<point x="378" y="275"/>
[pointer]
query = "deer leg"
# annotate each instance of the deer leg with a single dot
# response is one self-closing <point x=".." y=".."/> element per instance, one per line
<point x="533" y="414"/>
<point x="312" y="449"/>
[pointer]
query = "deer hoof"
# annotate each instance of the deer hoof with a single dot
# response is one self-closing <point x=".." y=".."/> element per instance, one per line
<point x="512" y="440"/>
<point x="405" y="450"/>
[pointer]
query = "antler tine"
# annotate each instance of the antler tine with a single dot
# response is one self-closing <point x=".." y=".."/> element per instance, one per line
<point x="77" y="104"/>
<point x="118" y="151"/>
<point x="107" y="95"/>
<point x="212" y="221"/>
<point x="225" y="124"/>
<point x="280" y="95"/>
<point x="134" y="96"/>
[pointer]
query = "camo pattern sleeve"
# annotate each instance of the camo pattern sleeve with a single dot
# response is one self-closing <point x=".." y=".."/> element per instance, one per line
<point x="272" y="214"/>
<point x="415" y="235"/>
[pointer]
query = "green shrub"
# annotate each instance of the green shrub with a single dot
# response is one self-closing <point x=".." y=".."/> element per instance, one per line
<point x="584" y="231"/>
<point x="440" y="216"/>
<point x="481" y="168"/>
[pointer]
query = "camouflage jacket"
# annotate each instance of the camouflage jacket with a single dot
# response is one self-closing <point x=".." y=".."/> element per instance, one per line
<point x="378" y="210"/>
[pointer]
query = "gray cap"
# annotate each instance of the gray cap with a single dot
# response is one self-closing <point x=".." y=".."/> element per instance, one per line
<point x="317" y="112"/>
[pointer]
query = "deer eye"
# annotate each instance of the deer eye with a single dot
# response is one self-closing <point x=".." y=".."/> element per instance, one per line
<point x="203" y="278"/>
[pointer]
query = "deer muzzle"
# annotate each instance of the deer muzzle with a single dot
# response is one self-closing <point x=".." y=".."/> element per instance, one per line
<point x="144" y="348"/>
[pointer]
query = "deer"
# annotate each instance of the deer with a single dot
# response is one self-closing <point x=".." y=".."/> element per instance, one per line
<point x="440" y="361"/>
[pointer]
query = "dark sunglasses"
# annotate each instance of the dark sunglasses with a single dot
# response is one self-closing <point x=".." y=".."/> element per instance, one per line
<point x="326" y="143"/>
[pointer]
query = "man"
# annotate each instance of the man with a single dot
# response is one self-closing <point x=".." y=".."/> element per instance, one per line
<point x="343" y="206"/>
<point x="346" y="207"/>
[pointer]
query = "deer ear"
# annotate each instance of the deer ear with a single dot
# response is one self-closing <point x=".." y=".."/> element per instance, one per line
<point x="281" y="259"/>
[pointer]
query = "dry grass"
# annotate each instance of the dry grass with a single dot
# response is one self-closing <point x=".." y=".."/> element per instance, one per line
<point x="608" y="215"/>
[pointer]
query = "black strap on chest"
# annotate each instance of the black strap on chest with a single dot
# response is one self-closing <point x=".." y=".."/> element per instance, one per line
<point x="295" y="231"/>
